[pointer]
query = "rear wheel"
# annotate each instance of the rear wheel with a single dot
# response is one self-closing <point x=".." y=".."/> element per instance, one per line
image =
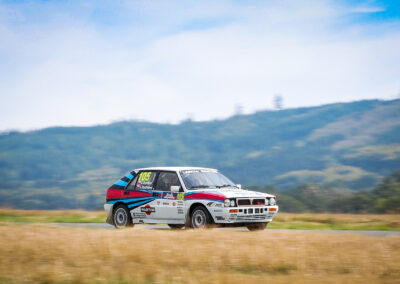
<point x="122" y="217"/>
<point x="176" y="226"/>
<point x="200" y="218"/>
<point x="256" y="226"/>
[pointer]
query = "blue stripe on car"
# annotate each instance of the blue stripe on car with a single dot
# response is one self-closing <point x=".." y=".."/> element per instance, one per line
<point x="140" y="203"/>
<point x="121" y="183"/>
<point x="130" y="200"/>
<point x="204" y="199"/>
<point x="130" y="176"/>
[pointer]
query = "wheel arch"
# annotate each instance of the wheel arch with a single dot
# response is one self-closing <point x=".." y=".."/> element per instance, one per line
<point x="110" y="217"/>
<point x="115" y="205"/>
<point x="192" y="207"/>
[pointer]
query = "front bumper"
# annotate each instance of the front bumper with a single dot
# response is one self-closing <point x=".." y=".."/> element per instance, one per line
<point x="248" y="214"/>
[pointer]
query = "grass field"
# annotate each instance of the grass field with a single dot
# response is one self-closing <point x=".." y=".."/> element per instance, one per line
<point x="282" y="220"/>
<point x="40" y="253"/>
<point x="52" y="216"/>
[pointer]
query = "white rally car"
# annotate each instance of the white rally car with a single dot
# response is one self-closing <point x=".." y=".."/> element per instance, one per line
<point x="186" y="196"/>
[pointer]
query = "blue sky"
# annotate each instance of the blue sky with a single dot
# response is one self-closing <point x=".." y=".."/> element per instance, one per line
<point x="94" y="62"/>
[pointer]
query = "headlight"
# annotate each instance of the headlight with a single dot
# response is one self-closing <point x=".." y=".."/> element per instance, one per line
<point x="266" y="201"/>
<point x="227" y="202"/>
<point x="232" y="203"/>
<point x="272" y="201"/>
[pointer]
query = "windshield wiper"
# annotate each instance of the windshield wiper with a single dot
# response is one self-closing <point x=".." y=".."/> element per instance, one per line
<point x="200" y="186"/>
<point x="225" y="185"/>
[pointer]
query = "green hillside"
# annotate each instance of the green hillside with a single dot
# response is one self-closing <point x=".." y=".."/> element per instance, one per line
<point x="342" y="146"/>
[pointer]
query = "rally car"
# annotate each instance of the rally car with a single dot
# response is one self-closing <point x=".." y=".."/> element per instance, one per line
<point x="186" y="197"/>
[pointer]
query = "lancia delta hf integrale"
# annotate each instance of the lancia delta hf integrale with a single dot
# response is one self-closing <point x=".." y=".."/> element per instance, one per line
<point x="183" y="196"/>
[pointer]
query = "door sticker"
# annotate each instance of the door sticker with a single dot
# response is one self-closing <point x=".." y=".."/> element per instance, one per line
<point x="169" y="195"/>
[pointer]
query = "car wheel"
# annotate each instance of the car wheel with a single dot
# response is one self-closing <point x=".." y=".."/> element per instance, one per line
<point x="256" y="226"/>
<point x="122" y="217"/>
<point x="200" y="218"/>
<point x="176" y="226"/>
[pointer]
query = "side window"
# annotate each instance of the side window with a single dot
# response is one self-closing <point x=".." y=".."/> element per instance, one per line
<point x="166" y="180"/>
<point x="131" y="186"/>
<point x="146" y="180"/>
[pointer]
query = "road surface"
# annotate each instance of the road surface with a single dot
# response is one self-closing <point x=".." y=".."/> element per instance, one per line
<point x="165" y="227"/>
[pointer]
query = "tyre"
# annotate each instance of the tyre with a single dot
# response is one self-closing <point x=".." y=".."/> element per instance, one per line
<point x="122" y="217"/>
<point x="176" y="226"/>
<point x="200" y="218"/>
<point x="256" y="226"/>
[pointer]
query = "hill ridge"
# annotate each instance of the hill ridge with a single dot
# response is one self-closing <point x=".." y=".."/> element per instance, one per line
<point x="284" y="148"/>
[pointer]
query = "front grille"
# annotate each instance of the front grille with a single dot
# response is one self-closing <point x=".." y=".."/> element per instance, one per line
<point x="243" y="202"/>
<point x="259" y="201"/>
<point x="249" y="202"/>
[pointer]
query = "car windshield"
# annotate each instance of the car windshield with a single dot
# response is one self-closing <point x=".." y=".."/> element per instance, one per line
<point x="198" y="179"/>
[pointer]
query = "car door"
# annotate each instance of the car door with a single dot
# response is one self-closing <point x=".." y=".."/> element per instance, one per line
<point x="169" y="207"/>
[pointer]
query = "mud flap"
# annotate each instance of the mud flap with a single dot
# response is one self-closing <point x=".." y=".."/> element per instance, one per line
<point x="110" y="220"/>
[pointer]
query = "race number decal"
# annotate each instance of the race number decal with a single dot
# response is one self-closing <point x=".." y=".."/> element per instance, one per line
<point x="180" y="196"/>
<point x="145" y="176"/>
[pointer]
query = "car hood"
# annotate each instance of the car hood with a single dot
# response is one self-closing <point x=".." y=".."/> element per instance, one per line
<point x="233" y="192"/>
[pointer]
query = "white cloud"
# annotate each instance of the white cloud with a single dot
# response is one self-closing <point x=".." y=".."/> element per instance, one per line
<point x="367" y="9"/>
<point x="138" y="61"/>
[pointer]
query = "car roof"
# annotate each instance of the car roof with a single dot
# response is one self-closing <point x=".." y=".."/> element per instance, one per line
<point x="173" y="169"/>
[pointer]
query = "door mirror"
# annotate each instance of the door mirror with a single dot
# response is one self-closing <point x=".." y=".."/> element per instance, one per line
<point x="175" y="188"/>
<point x="239" y="186"/>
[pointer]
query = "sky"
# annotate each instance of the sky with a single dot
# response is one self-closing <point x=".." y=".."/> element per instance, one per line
<point x="81" y="63"/>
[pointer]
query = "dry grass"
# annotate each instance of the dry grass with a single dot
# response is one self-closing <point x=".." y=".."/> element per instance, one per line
<point x="52" y="216"/>
<point x="330" y="221"/>
<point x="49" y="254"/>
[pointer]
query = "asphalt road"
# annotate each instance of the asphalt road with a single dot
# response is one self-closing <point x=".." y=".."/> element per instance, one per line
<point x="165" y="227"/>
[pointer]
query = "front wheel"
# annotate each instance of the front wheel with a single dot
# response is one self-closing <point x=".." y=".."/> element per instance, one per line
<point x="256" y="226"/>
<point x="122" y="217"/>
<point x="200" y="218"/>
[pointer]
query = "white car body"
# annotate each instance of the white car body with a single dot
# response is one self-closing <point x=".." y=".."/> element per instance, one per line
<point x="172" y="207"/>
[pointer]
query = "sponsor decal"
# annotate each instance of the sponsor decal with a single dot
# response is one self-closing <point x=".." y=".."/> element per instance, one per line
<point x="144" y="186"/>
<point x="173" y="204"/>
<point x="139" y="215"/>
<point x="166" y="203"/>
<point x="147" y="209"/>
<point x="169" y="195"/>
<point x="180" y="202"/>
<point x="181" y="196"/>
<point x="180" y="210"/>
<point x="217" y="210"/>
<point x="198" y="171"/>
